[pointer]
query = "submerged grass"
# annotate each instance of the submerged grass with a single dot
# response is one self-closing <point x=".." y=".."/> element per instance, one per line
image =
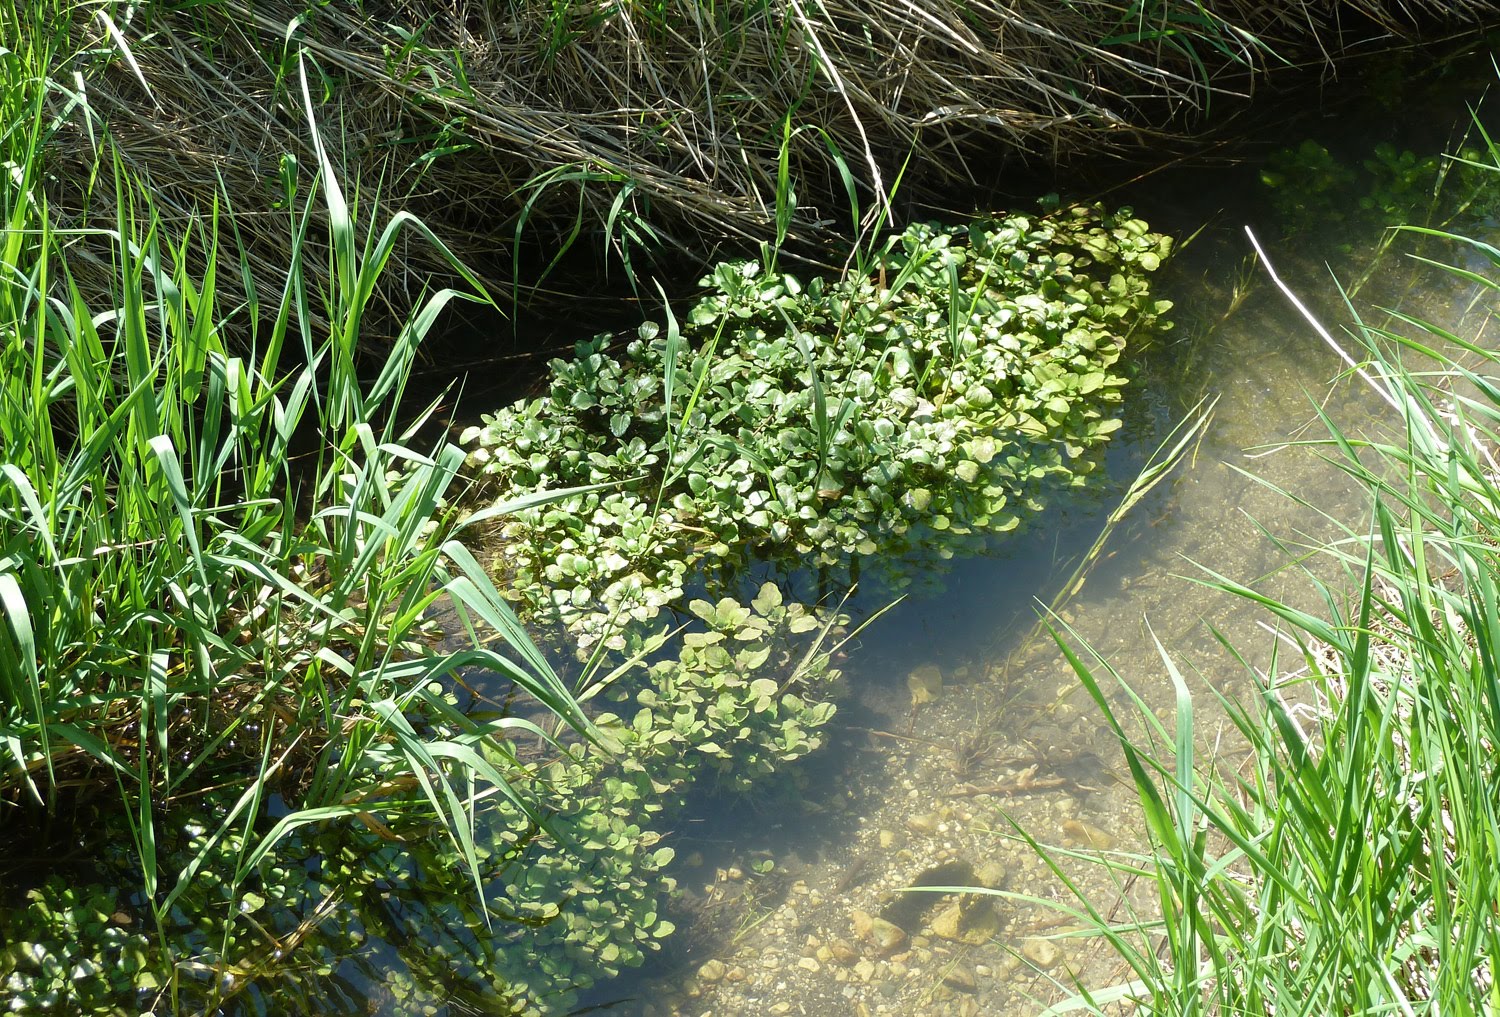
<point x="1349" y="862"/>
<point x="216" y="558"/>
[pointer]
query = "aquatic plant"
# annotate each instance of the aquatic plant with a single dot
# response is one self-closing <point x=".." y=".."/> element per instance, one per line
<point x="1308" y="184"/>
<point x="935" y="398"/>
<point x="1346" y="861"/>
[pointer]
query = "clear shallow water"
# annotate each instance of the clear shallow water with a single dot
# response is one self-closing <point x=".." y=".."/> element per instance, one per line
<point x="910" y="794"/>
<point x="930" y="794"/>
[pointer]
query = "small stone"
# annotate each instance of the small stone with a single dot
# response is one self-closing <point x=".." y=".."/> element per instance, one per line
<point x="926" y="823"/>
<point x="735" y="974"/>
<point x="990" y="875"/>
<point x="734" y="873"/>
<point x="961" y="977"/>
<point x="925" y="684"/>
<point x="1042" y="952"/>
<point x="862" y="922"/>
<point x="889" y="839"/>
<point x="971" y="921"/>
<point x="842" y="952"/>
<point x="948" y="923"/>
<point x="864" y="970"/>
<point x="781" y="1008"/>
<point x="824" y="954"/>
<point x="713" y="971"/>
<point x="1079" y="833"/>
<point x="809" y="964"/>
<point x="885" y="936"/>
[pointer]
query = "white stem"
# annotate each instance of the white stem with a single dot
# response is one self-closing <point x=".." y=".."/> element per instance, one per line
<point x="1380" y="389"/>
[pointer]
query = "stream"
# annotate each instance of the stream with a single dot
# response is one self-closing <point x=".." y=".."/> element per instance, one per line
<point x="965" y="726"/>
<point x="964" y="751"/>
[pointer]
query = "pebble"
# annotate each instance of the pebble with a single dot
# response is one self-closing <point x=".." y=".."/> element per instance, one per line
<point x="713" y="971"/>
<point x="961" y="977"/>
<point x="1078" y="832"/>
<point x="864" y="970"/>
<point x="842" y="952"/>
<point x="810" y="964"/>
<point x="886" y="937"/>
<point x="1042" y="952"/>
<point x="972" y="922"/>
<point x="926" y="822"/>
<point x="925" y="684"/>
<point x="889" y="839"/>
<point x="736" y="974"/>
<point x="990" y="875"/>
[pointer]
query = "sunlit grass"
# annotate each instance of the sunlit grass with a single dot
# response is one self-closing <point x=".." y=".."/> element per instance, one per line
<point x="217" y="543"/>
<point x="1345" y="858"/>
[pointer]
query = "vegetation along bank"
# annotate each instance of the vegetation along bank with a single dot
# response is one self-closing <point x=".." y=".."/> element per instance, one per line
<point x="237" y="747"/>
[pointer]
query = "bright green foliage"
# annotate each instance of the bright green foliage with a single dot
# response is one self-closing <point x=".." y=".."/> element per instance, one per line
<point x="916" y="408"/>
<point x="726" y="699"/>
<point x="1345" y="860"/>
<point x="569" y="904"/>
<point x="187" y="604"/>
<point x="83" y="957"/>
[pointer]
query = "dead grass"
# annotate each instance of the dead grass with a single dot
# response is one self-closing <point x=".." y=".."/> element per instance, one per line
<point x="661" y="122"/>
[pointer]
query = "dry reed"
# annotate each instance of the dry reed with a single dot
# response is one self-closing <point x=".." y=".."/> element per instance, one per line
<point x="662" y="122"/>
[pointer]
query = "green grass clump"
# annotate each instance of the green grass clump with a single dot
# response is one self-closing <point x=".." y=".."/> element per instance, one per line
<point x="216" y="558"/>
<point x="1348" y="862"/>
<point x="910" y="409"/>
